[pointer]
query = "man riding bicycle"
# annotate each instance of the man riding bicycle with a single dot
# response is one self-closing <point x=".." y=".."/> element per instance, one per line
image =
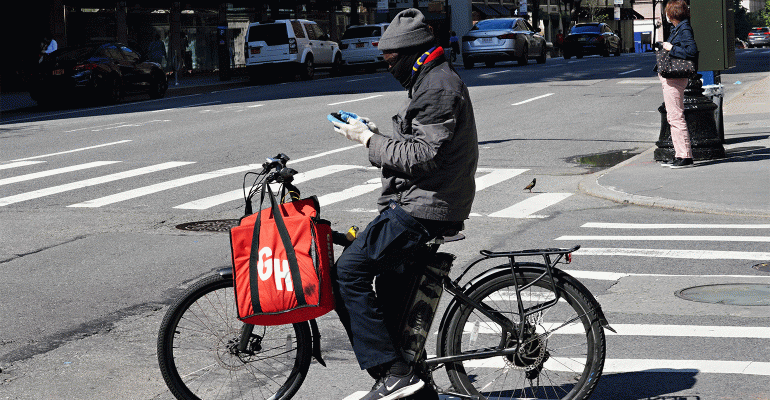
<point x="428" y="164"/>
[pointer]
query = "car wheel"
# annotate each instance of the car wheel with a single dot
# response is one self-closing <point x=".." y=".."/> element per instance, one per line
<point x="112" y="90"/>
<point x="606" y="51"/>
<point x="489" y="64"/>
<point x="337" y="66"/>
<point x="308" y="69"/>
<point x="567" y="56"/>
<point x="580" y="55"/>
<point x="617" y="52"/>
<point x="468" y="64"/>
<point x="159" y="86"/>
<point x="541" y="57"/>
<point x="524" y="59"/>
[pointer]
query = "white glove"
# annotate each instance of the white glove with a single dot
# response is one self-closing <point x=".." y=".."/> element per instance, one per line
<point x="667" y="46"/>
<point x="372" y="127"/>
<point x="355" y="130"/>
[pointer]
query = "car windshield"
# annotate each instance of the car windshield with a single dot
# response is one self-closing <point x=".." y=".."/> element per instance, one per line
<point x="585" y="29"/>
<point x="272" y="34"/>
<point x="358" y="32"/>
<point x="492" y="24"/>
<point x="760" y="30"/>
<point x="76" y="54"/>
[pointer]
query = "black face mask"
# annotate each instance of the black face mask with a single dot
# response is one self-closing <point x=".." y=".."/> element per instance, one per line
<point x="402" y="69"/>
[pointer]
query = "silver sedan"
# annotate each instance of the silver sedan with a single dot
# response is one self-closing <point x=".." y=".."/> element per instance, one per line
<point x="503" y="39"/>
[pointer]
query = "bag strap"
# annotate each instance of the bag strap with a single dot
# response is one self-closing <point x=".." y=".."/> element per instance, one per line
<point x="296" y="278"/>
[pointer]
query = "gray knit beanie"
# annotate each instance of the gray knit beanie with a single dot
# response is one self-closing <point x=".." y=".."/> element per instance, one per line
<point x="408" y="29"/>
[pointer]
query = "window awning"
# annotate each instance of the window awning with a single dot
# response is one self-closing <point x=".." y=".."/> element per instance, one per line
<point x="502" y="10"/>
<point x="486" y="10"/>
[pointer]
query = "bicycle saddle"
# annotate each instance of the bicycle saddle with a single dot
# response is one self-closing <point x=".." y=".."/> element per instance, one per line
<point x="452" y="232"/>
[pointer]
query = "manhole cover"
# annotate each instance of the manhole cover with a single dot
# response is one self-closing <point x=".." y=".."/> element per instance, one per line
<point x="216" y="225"/>
<point x="736" y="294"/>
<point x="764" y="267"/>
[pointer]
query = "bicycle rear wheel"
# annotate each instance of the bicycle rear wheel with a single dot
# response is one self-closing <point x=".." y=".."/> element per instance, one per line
<point x="199" y="358"/>
<point x="564" y="346"/>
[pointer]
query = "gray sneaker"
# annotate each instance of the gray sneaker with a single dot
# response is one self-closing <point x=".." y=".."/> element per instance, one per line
<point x="395" y="387"/>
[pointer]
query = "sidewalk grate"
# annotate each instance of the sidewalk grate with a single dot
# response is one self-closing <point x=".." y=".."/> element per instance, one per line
<point x="734" y="294"/>
<point x="216" y="225"/>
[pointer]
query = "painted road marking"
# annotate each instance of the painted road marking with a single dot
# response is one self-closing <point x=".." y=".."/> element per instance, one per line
<point x="352" y="101"/>
<point x="532" y="99"/>
<point x="56" y="171"/>
<point x="211" y="201"/>
<point x="614" y="276"/>
<point x="19" y="164"/>
<point x="526" y="208"/>
<point x="666" y="253"/>
<point x="158" y="187"/>
<point x="672" y="238"/>
<point x="358" y="190"/>
<point x="495" y="176"/>
<point x="73" y="151"/>
<point x="89" y="182"/>
<point x="612" y="225"/>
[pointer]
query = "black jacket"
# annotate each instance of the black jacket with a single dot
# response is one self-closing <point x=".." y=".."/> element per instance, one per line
<point x="429" y="160"/>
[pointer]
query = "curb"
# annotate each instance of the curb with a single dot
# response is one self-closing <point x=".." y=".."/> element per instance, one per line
<point x="591" y="186"/>
<point x="195" y="89"/>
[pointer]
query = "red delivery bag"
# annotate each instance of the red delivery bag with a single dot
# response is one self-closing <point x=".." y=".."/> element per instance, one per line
<point x="281" y="261"/>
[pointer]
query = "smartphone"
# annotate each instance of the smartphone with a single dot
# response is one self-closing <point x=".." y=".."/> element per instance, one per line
<point x="338" y="116"/>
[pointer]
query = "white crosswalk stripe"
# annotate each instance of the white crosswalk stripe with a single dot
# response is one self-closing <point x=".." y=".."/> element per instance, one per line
<point x="4" y="201"/>
<point x="19" y="164"/>
<point x="56" y="171"/>
<point x="526" y="208"/>
<point x="143" y="191"/>
<point x="674" y="233"/>
<point x="485" y="179"/>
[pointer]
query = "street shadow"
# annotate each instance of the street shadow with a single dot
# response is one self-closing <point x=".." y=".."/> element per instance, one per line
<point x="744" y="139"/>
<point x="646" y="385"/>
<point x="741" y="154"/>
<point x="561" y="72"/>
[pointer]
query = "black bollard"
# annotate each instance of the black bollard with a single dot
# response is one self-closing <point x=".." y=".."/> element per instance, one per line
<point x="701" y="124"/>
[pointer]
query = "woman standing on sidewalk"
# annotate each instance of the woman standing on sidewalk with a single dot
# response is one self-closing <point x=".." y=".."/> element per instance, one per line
<point x="681" y="44"/>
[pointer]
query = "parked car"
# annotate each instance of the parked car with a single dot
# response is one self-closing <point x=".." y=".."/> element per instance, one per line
<point x="296" y="46"/>
<point x="103" y="71"/>
<point x="759" y="37"/>
<point x="591" y="38"/>
<point x="359" y="46"/>
<point x="493" y="40"/>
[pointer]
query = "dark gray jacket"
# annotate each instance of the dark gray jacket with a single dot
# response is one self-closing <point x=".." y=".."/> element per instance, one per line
<point x="429" y="160"/>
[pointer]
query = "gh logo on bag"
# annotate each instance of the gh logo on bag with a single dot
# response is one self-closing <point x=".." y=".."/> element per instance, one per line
<point x="267" y="265"/>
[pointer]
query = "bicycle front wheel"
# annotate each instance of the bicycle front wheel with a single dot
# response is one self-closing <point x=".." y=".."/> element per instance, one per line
<point x="563" y="348"/>
<point x="199" y="356"/>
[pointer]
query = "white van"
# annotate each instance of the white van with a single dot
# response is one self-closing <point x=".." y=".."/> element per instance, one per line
<point x="298" y="44"/>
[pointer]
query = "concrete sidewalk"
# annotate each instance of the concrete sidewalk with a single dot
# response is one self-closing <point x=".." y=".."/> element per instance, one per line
<point x="738" y="184"/>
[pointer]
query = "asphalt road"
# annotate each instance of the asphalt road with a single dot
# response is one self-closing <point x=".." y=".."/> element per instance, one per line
<point x="90" y="199"/>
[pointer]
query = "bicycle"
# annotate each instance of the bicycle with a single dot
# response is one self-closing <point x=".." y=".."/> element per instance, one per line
<point x="517" y="330"/>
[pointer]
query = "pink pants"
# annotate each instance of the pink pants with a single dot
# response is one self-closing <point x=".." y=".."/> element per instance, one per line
<point x="673" y="97"/>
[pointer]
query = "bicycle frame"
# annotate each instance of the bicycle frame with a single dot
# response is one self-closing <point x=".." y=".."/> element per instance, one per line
<point x="505" y="323"/>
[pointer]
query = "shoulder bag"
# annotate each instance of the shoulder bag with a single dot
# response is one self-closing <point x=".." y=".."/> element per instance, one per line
<point x="672" y="67"/>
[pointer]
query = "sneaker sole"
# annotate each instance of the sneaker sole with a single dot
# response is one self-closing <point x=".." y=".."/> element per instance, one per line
<point x="405" y="391"/>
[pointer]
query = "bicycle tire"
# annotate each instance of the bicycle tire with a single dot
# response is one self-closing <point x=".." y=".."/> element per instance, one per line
<point x="559" y="362"/>
<point x="198" y="358"/>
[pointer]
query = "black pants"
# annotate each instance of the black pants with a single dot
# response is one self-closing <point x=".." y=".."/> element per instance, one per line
<point x="385" y="243"/>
